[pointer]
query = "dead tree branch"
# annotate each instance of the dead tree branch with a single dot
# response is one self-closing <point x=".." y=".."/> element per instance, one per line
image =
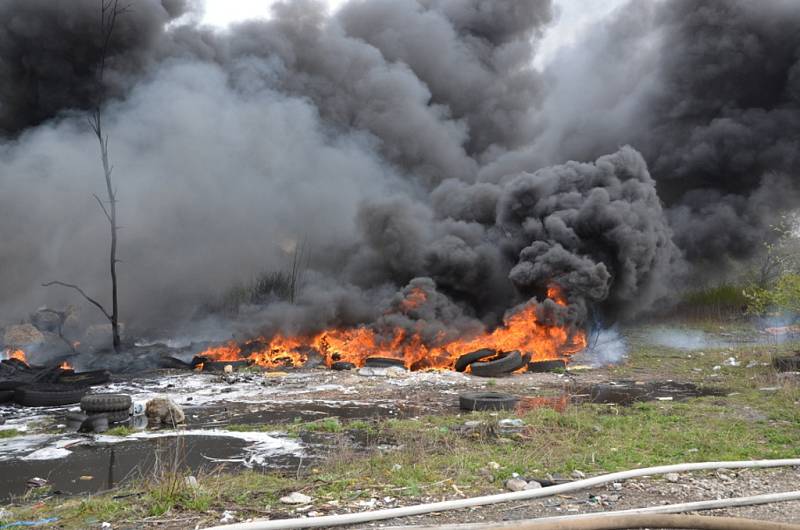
<point x="109" y="10"/>
<point x="82" y="292"/>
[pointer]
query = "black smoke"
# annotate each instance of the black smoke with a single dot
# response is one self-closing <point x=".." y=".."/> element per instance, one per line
<point x="709" y="92"/>
<point x="406" y="144"/>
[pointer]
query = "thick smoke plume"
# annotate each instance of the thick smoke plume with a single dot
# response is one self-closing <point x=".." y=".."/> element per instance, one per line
<point x="408" y="145"/>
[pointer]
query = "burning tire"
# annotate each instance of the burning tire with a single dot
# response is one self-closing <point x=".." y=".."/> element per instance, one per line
<point x="556" y="365"/>
<point x="106" y="403"/>
<point x="384" y="362"/>
<point x="504" y="365"/>
<point x="48" y="395"/>
<point x="471" y="357"/>
<point x="342" y="365"/>
<point x="487" y="401"/>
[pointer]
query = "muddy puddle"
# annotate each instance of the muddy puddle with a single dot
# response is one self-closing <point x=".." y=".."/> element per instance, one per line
<point x="99" y="466"/>
<point x="298" y="411"/>
<point x="75" y="463"/>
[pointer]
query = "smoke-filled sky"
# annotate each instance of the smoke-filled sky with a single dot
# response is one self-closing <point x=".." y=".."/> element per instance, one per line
<point x="573" y="18"/>
<point x="446" y="144"/>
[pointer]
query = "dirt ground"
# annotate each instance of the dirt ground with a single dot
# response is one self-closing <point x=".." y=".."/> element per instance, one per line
<point x="729" y="367"/>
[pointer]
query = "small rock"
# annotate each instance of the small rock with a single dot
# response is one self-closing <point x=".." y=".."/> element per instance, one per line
<point x="616" y="486"/>
<point x="473" y="424"/>
<point x="578" y="474"/>
<point x="227" y="517"/>
<point x="613" y="498"/>
<point x="164" y="410"/>
<point x="295" y="498"/>
<point x="516" y="484"/>
<point x="532" y="485"/>
<point x="493" y="465"/>
<point x="672" y="477"/>
<point x="397" y="467"/>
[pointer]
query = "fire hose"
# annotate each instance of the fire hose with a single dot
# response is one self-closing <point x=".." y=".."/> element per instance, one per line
<point x="620" y="522"/>
<point x="362" y="517"/>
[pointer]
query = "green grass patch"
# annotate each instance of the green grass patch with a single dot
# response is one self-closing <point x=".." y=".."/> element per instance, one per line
<point x="120" y="430"/>
<point x="9" y="433"/>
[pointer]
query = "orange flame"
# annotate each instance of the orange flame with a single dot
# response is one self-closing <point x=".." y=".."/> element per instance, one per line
<point x="65" y="366"/>
<point x="16" y="354"/>
<point x="521" y="331"/>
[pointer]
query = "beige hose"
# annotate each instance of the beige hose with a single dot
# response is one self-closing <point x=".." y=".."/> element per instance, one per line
<point x="620" y="522"/>
<point x="454" y="504"/>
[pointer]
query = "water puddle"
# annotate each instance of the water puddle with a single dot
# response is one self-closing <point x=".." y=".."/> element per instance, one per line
<point x="94" y="465"/>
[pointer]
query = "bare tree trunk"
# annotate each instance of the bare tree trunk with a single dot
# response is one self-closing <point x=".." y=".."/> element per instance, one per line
<point x="109" y="9"/>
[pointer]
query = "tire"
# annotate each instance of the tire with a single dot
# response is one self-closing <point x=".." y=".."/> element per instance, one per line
<point x="92" y="378"/>
<point x="342" y="365"/>
<point x="48" y="395"/>
<point x="555" y="365"/>
<point x="384" y="362"/>
<point x="106" y="402"/>
<point x="118" y="416"/>
<point x="6" y="396"/>
<point x="11" y="384"/>
<point x="469" y="358"/>
<point x="501" y="366"/>
<point x="486" y="401"/>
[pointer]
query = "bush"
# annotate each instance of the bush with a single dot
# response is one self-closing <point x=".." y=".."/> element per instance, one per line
<point x="783" y="297"/>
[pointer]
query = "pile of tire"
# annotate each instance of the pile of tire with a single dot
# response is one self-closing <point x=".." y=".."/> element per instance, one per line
<point x="48" y="395"/>
<point x="116" y="407"/>
<point x="491" y="363"/>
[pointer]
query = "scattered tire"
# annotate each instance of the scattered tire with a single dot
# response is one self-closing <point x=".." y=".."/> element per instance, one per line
<point x="555" y="365"/>
<point x="91" y="378"/>
<point x="106" y="402"/>
<point x="342" y="365"/>
<point x="471" y="357"/>
<point x="48" y="395"/>
<point x="384" y="362"/>
<point x="504" y="365"/>
<point x="486" y="401"/>
<point x="6" y="396"/>
<point x="219" y="366"/>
